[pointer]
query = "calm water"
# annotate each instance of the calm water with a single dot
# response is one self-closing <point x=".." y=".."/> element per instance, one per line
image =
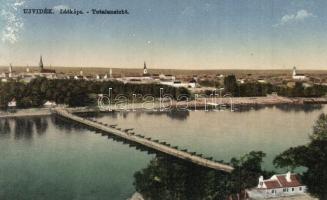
<point x="47" y="158"/>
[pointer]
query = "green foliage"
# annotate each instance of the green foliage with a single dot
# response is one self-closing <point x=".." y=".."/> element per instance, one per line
<point x="250" y="89"/>
<point x="210" y="83"/>
<point x="299" y="91"/>
<point x="313" y="156"/>
<point x="320" y="128"/>
<point x="253" y="89"/>
<point x="75" y="92"/>
<point x="168" y="178"/>
<point x="230" y="84"/>
<point x="247" y="171"/>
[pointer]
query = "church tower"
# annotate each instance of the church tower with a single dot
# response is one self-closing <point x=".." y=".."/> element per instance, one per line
<point x="145" y="70"/>
<point x="41" y="64"/>
<point x="110" y="73"/>
<point x="294" y="71"/>
<point x="10" y="68"/>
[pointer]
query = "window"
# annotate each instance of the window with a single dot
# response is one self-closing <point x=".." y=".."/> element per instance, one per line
<point x="272" y="191"/>
<point x="284" y="189"/>
<point x="292" y="189"/>
<point x="300" y="188"/>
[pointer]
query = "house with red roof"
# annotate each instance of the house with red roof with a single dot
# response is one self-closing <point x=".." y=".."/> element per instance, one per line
<point x="279" y="185"/>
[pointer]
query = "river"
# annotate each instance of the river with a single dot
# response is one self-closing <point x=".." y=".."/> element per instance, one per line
<point x="49" y="158"/>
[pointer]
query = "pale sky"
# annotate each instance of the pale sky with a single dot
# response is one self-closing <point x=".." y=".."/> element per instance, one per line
<point x="184" y="34"/>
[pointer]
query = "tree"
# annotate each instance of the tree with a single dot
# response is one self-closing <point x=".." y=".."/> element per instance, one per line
<point x="75" y="92"/>
<point x="170" y="178"/>
<point x="313" y="156"/>
<point x="246" y="171"/>
<point x="230" y="84"/>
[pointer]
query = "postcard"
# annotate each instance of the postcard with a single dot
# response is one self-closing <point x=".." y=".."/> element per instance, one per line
<point x="163" y="100"/>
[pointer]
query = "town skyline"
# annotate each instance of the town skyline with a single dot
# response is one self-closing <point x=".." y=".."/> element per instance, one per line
<point x="185" y="35"/>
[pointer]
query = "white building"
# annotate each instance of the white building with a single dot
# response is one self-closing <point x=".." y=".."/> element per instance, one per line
<point x="178" y="83"/>
<point x="49" y="104"/>
<point x="297" y="76"/>
<point x="280" y="185"/>
<point x="241" y="81"/>
<point x="167" y="77"/>
<point x="145" y="69"/>
<point x="192" y="83"/>
<point x="260" y="80"/>
<point x="12" y="103"/>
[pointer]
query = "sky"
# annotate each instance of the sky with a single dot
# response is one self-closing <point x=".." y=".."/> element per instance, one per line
<point x="180" y="34"/>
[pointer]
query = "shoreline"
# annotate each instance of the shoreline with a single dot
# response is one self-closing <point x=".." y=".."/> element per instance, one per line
<point x="201" y="103"/>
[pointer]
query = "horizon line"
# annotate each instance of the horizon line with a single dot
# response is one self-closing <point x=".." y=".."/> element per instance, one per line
<point x="183" y="69"/>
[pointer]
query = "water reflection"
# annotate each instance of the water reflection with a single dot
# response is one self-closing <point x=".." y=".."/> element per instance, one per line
<point x="4" y="126"/>
<point x="173" y="114"/>
<point x="41" y="125"/>
<point x="67" y="125"/>
<point x="184" y="114"/>
<point x="23" y="128"/>
<point x="307" y="108"/>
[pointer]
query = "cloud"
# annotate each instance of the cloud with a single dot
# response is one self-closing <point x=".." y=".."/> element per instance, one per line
<point x="13" y="24"/>
<point x="291" y="18"/>
<point x="58" y="7"/>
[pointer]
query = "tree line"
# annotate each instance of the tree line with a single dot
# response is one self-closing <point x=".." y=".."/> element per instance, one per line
<point x="262" y="89"/>
<point x="168" y="178"/>
<point x="75" y="92"/>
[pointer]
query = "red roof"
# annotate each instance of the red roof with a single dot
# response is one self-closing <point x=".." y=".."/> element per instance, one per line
<point x="272" y="184"/>
<point x="281" y="181"/>
<point x="295" y="181"/>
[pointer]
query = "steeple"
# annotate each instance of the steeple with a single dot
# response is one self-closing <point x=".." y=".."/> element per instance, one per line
<point x="41" y="63"/>
<point x="294" y="71"/>
<point x="110" y="73"/>
<point x="10" y="68"/>
<point x="145" y="70"/>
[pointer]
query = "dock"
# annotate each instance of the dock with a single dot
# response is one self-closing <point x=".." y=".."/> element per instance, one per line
<point x="147" y="142"/>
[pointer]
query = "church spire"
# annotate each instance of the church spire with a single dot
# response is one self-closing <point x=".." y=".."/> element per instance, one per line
<point x="41" y="63"/>
<point x="145" y="70"/>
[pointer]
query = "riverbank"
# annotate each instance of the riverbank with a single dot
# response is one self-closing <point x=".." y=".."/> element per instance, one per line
<point x="25" y="112"/>
<point x="199" y="103"/>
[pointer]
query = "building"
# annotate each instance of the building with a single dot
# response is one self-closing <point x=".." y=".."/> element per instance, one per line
<point x="49" y="104"/>
<point x="110" y="73"/>
<point x="192" y="83"/>
<point x="260" y="80"/>
<point x="48" y="73"/>
<point x="297" y="76"/>
<point x="145" y="78"/>
<point x="12" y="103"/>
<point x="10" y="71"/>
<point x="41" y="64"/>
<point x="281" y="185"/>
<point x="145" y="70"/>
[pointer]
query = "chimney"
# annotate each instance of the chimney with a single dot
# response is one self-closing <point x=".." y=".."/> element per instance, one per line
<point x="288" y="177"/>
<point x="260" y="185"/>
